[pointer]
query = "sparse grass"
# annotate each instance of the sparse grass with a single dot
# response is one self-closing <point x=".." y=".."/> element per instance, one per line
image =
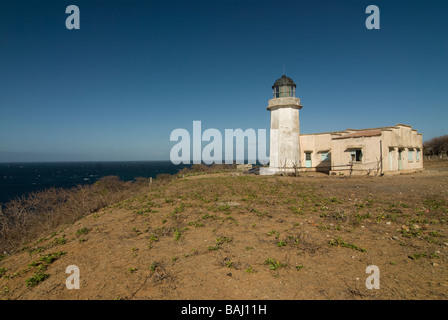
<point x="196" y="224"/>
<point x="435" y="255"/>
<point x="340" y="215"/>
<point x="275" y="233"/>
<point x="361" y="217"/>
<point x="221" y="240"/>
<point x="60" y="241"/>
<point x="2" y="271"/>
<point x="435" y="204"/>
<point x="224" y="208"/>
<point x="280" y="224"/>
<point x="338" y="242"/>
<point x="177" y="234"/>
<point x="411" y="232"/>
<point x="51" y="257"/>
<point x="281" y="244"/>
<point x="82" y="231"/>
<point x="274" y="264"/>
<point x="131" y="270"/>
<point x="263" y="214"/>
<point x="179" y="209"/>
<point x="152" y="267"/>
<point x="297" y="210"/>
<point x="335" y="200"/>
<point x="250" y="270"/>
<point x="36" y="279"/>
<point x="417" y="256"/>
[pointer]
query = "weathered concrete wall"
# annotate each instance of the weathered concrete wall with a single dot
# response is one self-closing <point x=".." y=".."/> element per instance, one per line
<point x="314" y="144"/>
<point x="404" y="140"/>
<point x="342" y="155"/>
<point x="284" y="133"/>
<point x="380" y="149"/>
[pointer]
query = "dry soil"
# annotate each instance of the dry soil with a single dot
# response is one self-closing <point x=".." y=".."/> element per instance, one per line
<point x="236" y="236"/>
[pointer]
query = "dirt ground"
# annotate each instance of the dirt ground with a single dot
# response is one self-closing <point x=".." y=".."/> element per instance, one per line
<point x="235" y="236"/>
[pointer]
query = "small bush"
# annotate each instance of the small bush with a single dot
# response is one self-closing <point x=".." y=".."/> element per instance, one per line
<point x="274" y="264"/>
<point x="51" y="257"/>
<point x="36" y="279"/>
<point x="82" y="231"/>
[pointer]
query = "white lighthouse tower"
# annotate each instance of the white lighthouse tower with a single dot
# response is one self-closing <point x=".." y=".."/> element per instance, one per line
<point x="284" y="135"/>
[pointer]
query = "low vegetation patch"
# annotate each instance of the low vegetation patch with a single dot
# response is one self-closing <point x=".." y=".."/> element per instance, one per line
<point x="274" y="264"/>
<point x="36" y="279"/>
<point x="341" y="243"/>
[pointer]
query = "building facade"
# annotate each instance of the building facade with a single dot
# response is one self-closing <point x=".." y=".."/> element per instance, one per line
<point x="374" y="151"/>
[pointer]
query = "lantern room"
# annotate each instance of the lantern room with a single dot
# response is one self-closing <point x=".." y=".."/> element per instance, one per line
<point x="284" y="87"/>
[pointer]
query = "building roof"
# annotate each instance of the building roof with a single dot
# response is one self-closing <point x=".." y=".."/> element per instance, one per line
<point x="360" y="134"/>
<point x="284" y="81"/>
<point x="357" y="133"/>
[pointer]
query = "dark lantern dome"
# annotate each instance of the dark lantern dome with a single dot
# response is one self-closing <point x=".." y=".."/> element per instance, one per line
<point x="284" y="81"/>
<point x="284" y="87"/>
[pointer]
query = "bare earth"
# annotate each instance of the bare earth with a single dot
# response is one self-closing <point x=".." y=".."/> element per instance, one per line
<point x="228" y="236"/>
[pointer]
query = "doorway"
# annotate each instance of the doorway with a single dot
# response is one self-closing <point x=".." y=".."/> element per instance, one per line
<point x="400" y="159"/>
<point x="391" y="164"/>
<point x="308" y="163"/>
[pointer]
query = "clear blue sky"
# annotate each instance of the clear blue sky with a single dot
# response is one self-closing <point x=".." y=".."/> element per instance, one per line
<point x="136" y="70"/>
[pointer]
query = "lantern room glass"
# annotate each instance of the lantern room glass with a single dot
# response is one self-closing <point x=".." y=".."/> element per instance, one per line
<point x="284" y="91"/>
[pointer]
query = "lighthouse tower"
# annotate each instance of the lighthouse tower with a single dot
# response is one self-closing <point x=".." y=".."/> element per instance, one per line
<point x="284" y="135"/>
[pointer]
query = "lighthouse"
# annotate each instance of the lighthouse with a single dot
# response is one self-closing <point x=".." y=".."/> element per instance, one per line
<point x="285" y="130"/>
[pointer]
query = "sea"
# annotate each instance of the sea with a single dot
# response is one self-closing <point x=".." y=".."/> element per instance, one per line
<point x="19" y="179"/>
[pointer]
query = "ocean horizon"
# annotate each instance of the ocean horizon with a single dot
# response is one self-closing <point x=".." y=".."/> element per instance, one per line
<point x="22" y="178"/>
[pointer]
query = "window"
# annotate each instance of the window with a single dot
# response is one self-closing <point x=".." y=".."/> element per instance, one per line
<point x="276" y="92"/>
<point x="410" y="155"/>
<point x="418" y="155"/>
<point x="308" y="156"/>
<point x="356" y="155"/>
<point x="325" y="156"/>
<point x="284" y="91"/>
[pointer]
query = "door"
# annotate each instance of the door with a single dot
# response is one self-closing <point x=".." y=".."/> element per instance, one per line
<point x="308" y="163"/>
<point x="400" y="160"/>
<point x="390" y="159"/>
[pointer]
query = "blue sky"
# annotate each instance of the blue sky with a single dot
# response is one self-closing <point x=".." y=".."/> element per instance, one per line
<point x="136" y="70"/>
